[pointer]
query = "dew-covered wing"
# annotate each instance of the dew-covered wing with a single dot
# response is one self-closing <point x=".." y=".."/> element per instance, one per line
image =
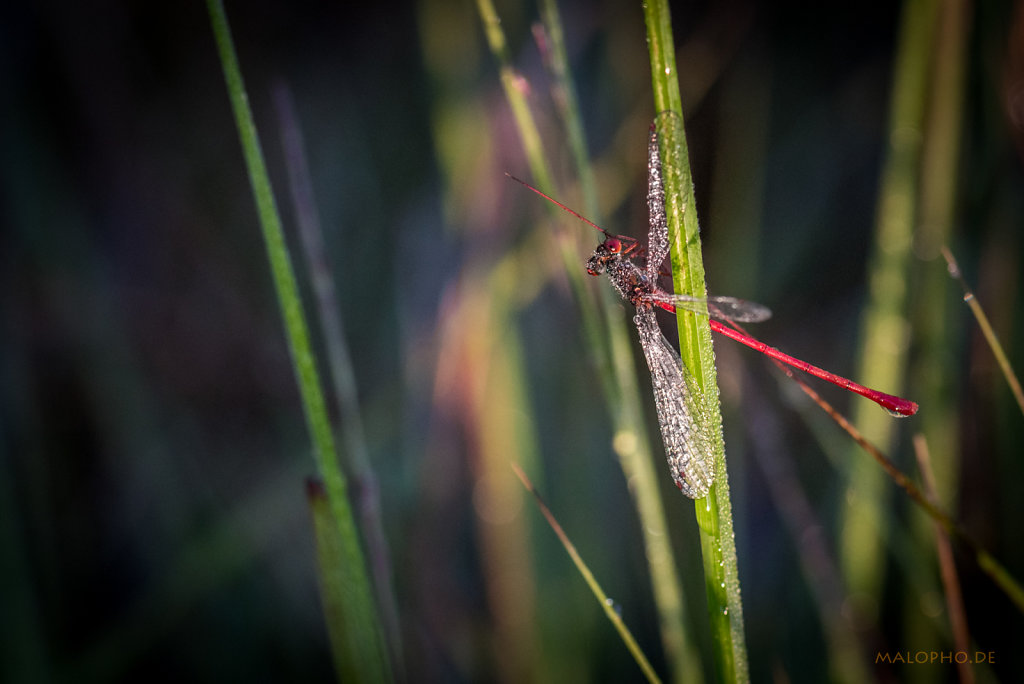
<point x="687" y="451"/>
<point x="657" y="232"/>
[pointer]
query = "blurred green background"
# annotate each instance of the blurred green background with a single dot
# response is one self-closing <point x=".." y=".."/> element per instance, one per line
<point x="153" y="520"/>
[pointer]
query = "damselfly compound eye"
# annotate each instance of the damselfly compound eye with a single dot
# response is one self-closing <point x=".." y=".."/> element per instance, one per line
<point x="613" y="245"/>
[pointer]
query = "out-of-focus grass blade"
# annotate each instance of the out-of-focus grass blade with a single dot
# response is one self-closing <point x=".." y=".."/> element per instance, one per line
<point x="607" y="335"/>
<point x="329" y="555"/>
<point x="884" y="337"/>
<point x="365" y="487"/>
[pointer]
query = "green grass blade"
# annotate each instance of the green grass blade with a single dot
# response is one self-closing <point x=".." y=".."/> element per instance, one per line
<point x="365" y="651"/>
<point x="884" y="336"/>
<point x="714" y="513"/>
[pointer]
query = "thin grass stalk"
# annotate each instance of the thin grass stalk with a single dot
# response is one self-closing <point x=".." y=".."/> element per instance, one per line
<point x="364" y="484"/>
<point x="569" y="107"/>
<point x="928" y="504"/>
<point x="885" y="331"/>
<point x="986" y="329"/>
<point x="529" y="135"/>
<point x="947" y="565"/>
<point x="610" y="343"/>
<point x="989" y="565"/>
<point x="514" y="92"/>
<point x="714" y="513"/>
<point x="635" y="455"/>
<point x="366" y="654"/>
<point x="606" y="603"/>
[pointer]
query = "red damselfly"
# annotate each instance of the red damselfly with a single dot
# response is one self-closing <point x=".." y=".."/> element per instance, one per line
<point x="682" y="412"/>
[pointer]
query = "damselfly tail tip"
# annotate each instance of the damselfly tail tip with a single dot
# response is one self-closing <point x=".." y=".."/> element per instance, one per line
<point x="897" y="407"/>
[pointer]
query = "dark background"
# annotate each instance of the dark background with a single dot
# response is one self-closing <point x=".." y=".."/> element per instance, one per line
<point x="153" y="447"/>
